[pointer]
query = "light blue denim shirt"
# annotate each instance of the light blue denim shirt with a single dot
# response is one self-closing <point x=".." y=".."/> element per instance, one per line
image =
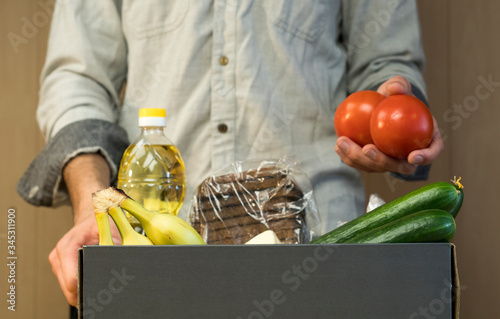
<point x="239" y="80"/>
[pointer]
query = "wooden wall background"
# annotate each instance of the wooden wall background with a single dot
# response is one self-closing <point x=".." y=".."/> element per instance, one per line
<point x="463" y="48"/>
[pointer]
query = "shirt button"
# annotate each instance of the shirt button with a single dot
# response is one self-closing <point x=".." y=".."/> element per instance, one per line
<point x="222" y="128"/>
<point x="223" y="60"/>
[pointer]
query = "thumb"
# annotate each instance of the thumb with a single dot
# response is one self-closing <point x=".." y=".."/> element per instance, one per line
<point x="395" y="85"/>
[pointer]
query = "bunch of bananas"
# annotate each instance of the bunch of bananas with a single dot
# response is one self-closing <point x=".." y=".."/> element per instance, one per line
<point x="160" y="229"/>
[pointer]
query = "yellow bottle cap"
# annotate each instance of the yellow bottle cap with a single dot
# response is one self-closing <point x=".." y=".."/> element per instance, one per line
<point x="152" y="117"/>
<point x="152" y="112"/>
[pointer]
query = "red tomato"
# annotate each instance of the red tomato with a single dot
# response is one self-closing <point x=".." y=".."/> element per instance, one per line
<point x="401" y="124"/>
<point x="352" y="118"/>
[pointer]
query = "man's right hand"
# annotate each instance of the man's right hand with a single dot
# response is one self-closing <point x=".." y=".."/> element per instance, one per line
<point x="83" y="175"/>
<point x="64" y="257"/>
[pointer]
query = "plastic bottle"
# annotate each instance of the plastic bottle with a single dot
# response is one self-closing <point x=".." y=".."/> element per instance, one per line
<point x="152" y="170"/>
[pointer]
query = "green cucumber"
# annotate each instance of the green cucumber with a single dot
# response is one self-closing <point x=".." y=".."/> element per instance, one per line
<point x="458" y="203"/>
<point x="440" y="195"/>
<point x="431" y="225"/>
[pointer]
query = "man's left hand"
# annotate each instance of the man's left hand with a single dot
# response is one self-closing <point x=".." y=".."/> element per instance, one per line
<point x="370" y="159"/>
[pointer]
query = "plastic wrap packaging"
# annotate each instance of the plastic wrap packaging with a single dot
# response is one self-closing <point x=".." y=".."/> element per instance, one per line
<point x="373" y="202"/>
<point x="247" y="198"/>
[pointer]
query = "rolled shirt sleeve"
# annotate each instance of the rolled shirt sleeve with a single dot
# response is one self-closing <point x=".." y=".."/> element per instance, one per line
<point x="42" y="183"/>
<point x="382" y="39"/>
<point x="83" y="74"/>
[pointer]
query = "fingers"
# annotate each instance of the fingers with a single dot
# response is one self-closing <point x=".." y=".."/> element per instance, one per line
<point x="69" y="273"/>
<point x="352" y="155"/>
<point x="395" y="85"/>
<point x="370" y="158"/>
<point x="67" y="282"/>
<point x="386" y="163"/>
<point x="428" y="155"/>
<point x="64" y="257"/>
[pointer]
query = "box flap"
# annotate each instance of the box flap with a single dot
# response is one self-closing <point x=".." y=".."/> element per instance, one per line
<point x="455" y="283"/>
<point x="80" y="283"/>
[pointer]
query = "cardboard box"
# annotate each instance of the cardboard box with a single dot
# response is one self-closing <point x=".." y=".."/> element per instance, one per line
<point x="269" y="281"/>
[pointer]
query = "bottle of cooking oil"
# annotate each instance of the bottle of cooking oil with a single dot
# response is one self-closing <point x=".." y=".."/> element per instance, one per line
<point x="152" y="171"/>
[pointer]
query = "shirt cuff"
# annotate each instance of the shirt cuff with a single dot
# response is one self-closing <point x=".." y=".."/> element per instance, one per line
<point x="42" y="183"/>
<point x="414" y="89"/>
<point x="420" y="174"/>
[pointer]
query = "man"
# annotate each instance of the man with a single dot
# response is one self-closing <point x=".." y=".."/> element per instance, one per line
<point x="238" y="79"/>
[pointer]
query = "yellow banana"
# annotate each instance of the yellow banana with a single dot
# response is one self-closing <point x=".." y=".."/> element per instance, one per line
<point x="104" y="229"/>
<point x="104" y="202"/>
<point x="102" y="217"/>
<point x="128" y="234"/>
<point x="161" y="229"/>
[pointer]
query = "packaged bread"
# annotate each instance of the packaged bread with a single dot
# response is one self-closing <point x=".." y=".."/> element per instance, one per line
<point x="239" y="203"/>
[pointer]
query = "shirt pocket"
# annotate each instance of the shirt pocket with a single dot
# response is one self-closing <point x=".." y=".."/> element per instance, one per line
<point x="303" y="19"/>
<point x="153" y="18"/>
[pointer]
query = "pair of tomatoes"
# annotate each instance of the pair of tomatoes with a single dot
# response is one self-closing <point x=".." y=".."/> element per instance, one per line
<point x="397" y="125"/>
